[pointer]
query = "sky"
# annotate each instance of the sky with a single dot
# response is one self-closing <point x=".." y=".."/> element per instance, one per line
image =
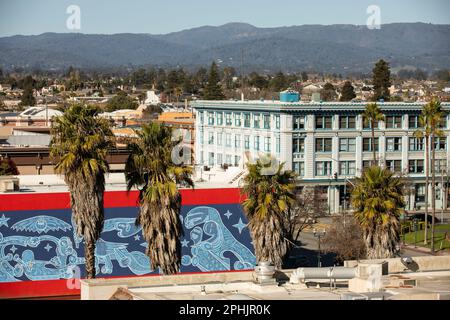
<point x="164" y="16"/>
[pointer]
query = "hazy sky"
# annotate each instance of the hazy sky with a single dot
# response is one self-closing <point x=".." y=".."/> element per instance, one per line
<point x="164" y="16"/>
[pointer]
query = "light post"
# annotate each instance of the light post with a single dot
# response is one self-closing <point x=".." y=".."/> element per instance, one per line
<point x="415" y="231"/>
<point x="318" y="235"/>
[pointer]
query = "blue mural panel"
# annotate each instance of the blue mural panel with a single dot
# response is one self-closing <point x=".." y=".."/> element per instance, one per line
<point x="43" y="245"/>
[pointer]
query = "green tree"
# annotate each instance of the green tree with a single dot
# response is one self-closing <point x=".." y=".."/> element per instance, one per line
<point x="213" y="90"/>
<point x="8" y="167"/>
<point x="371" y="115"/>
<point x="378" y="201"/>
<point x="27" y="98"/>
<point x="79" y="147"/>
<point x="381" y="77"/>
<point x="151" y="169"/>
<point x="258" y="81"/>
<point x="279" y="82"/>
<point x="121" y="101"/>
<point x="348" y="92"/>
<point x="270" y="195"/>
<point x="304" y="76"/>
<point x="328" y="93"/>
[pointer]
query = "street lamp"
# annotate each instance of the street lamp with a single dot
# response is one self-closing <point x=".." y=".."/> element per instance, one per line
<point x="415" y="221"/>
<point x="318" y="235"/>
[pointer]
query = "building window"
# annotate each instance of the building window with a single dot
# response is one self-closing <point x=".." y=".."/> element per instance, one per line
<point x="324" y="122"/>
<point x="228" y="121"/>
<point x="277" y="121"/>
<point x="211" y="159"/>
<point x="323" y="144"/>
<point x="366" y="164"/>
<point x="298" y="122"/>
<point x="298" y="145"/>
<point x="200" y="114"/>
<point x="211" y="118"/>
<point x="347" y="168"/>
<point x="219" y="118"/>
<point x="247" y="120"/>
<point x="219" y="138"/>
<point x="256" y="143"/>
<point x="416" y="144"/>
<point x="394" y="165"/>
<point x="211" y="138"/>
<point x="266" y="121"/>
<point x="237" y="141"/>
<point x="256" y="120"/>
<point x="201" y="137"/>
<point x="228" y="159"/>
<point x="367" y="144"/>
<point x="368" y="124"/>
<point x="443" y="123"/>
<point x="347" y="144"/>
<point x="323" y="168"/>
<point x="237" y="159"/>
<point x="228" y="139"/>
<point x="440" y="143"/>
<point x="237" y="119"/>
<point x="416" y="166"/>
<point x="420" y="193"/>
<point x="299" y="168"/>
<point x="413" y="121"/>
<point x="267" y="144"/>
<point x="440" y="166"/>
<point x="278" y="144"/>
<point x="347" y="122"/>
<point x="393" y="122"/>
<point x="219" y="159"/>
<point x="247" y="142"/>
<point x="393" y="144"/>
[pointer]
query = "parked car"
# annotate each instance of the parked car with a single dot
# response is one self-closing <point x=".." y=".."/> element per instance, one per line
<point x="421" y="217"/>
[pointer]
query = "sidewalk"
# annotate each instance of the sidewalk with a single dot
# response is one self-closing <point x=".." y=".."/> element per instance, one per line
<point x="425" y="250"/>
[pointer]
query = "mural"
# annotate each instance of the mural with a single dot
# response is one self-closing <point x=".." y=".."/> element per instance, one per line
<point x="43" y="244"/>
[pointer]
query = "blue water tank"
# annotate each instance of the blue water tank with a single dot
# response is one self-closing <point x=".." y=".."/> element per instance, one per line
<point x="289" y="96"/>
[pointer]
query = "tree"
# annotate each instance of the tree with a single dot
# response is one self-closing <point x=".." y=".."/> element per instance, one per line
<point x="8" y="167"/>
<point x="328" y="93"/>
<point x="430" y="122"/>
<point x="304" y="76"/>
<point x="212" y="90"/>
<point x="27" y="98"/>
<point x="121" y="101"/>
<point x="345" y="240"/>
<point x="378" y="200"/>
<point x="269" y="194"/>
<point x="371" y="115"/>
<point x="258" y="81"/>
<point x="79" y="147"/>
<point x="151" y="169"/>
<point x="348" y="92"/>
<point x="278" y="83"/>
<point x="381" y="77"/>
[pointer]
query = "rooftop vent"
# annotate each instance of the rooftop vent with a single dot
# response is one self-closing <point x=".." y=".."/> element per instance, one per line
<point x="9" y="184"/>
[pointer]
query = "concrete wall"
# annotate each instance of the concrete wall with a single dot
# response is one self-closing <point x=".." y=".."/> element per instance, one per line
<point x="426" y="263"/>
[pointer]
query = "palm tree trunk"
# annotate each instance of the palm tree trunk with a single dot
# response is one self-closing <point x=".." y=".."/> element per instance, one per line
<point x="89" y="256"/>
<point x="433" y="192"/>
<point x="373" y="143"/>
<point x="427" y="183"/>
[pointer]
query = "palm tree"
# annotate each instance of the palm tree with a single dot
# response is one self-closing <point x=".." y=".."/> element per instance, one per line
<point x="431" y="118"/>
<point x="269" y="197"/>
<point x="151" y="169"/>
<point x="378" y="201"/>
<point x="371" y="115"/>
<point x="80" y="145"/>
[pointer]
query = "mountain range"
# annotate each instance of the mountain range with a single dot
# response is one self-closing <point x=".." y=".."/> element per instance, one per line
<point x="326" y="48"/>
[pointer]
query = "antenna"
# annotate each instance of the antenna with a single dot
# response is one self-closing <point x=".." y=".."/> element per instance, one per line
<point x="242" y="75"/>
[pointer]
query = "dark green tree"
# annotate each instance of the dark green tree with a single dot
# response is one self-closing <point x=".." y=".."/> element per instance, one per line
<point x="348" y="92"/>
<point x="121" y="101"/>
<point x="27" y="98"/>
<point x="8" y="167"/>
<point x="328" y="93"/>
<point x="381" y="77"/>
<point x="258" y="81"/>
<point x="213" y="90"/>
<point x="304" y="76"/>
<point x="279" y="82"/>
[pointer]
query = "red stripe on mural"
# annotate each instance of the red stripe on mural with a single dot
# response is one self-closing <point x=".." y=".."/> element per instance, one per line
<point x="114" y="199"/>
<point x="53" y="288"/>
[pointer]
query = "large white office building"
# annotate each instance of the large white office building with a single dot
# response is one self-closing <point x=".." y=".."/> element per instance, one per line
<point x="325" y="143"/>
